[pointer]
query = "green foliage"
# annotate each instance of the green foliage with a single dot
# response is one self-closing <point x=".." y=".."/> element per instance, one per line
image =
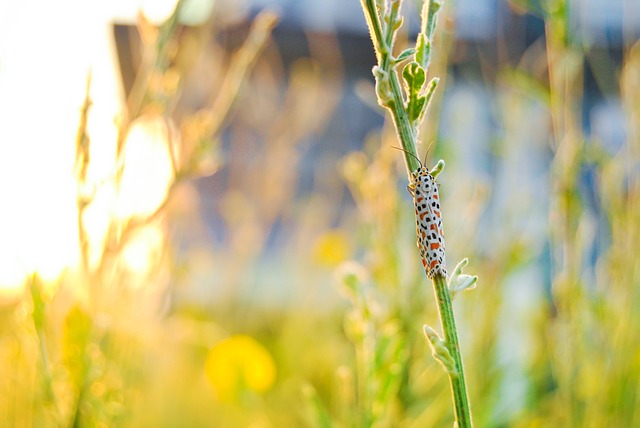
<point x="405" y="54"/>
<point x="414" y="78"/>
<point x="423" y="51"/>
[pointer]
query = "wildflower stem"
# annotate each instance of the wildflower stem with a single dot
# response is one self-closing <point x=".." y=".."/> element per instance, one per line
<point x="383" y="21"/>
<point x="403" y="127"/>
<point x="456" y="379"/>
<point x="383" y="45"/>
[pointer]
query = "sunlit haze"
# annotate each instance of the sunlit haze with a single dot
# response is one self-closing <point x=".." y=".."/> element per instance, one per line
<point x="47" y="50"/>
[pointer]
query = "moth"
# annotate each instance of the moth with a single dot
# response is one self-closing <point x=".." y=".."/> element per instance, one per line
<point x="426" y="201"/>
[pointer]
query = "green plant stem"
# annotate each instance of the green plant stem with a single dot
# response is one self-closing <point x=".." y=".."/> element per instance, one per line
<point x="383" y="47"/>
<point x="403" y="127"/>
<point x="457" y="379"/>
<point x="383" y="44"/>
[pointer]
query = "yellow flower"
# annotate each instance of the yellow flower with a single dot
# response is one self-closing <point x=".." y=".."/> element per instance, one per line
<point x="239" y="363"/>
<point x="331" y="248"/>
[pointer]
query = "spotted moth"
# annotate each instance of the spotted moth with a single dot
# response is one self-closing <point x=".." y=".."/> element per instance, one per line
<point x="426" y="201"/>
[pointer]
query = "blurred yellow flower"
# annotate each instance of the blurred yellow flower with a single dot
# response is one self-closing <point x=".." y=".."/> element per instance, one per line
<point x="331" y="248"/>
<point x="238" y="363"/>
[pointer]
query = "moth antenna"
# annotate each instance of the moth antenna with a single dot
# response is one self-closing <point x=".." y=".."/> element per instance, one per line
<point x="409" y="153"/>
<point x="427" y="152"/>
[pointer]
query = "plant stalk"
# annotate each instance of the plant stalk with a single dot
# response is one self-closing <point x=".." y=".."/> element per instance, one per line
<point x="457" y="379"/>
<point x="383" y="48"/>
<point x="383" y="44"/>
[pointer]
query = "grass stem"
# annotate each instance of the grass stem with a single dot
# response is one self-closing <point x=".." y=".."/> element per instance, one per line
<point x="456" y="379"/>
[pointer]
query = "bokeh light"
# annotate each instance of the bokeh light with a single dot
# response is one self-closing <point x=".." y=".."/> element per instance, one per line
<point x="237" y="363"/>
<point x="42" y="81"/>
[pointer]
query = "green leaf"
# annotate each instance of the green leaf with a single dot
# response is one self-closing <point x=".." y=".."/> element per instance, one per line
<point x="437" y="169"/>
<point x="418" y="108"/>
<point x="405" y="54"/>
<point x="429" y="13"/>
<point x="414" y="77"/>
<point x="423" y="50"/>
<point x="431" y="87"/>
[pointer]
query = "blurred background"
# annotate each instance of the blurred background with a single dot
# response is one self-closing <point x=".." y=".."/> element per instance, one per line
<point x="203" y="220"/>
